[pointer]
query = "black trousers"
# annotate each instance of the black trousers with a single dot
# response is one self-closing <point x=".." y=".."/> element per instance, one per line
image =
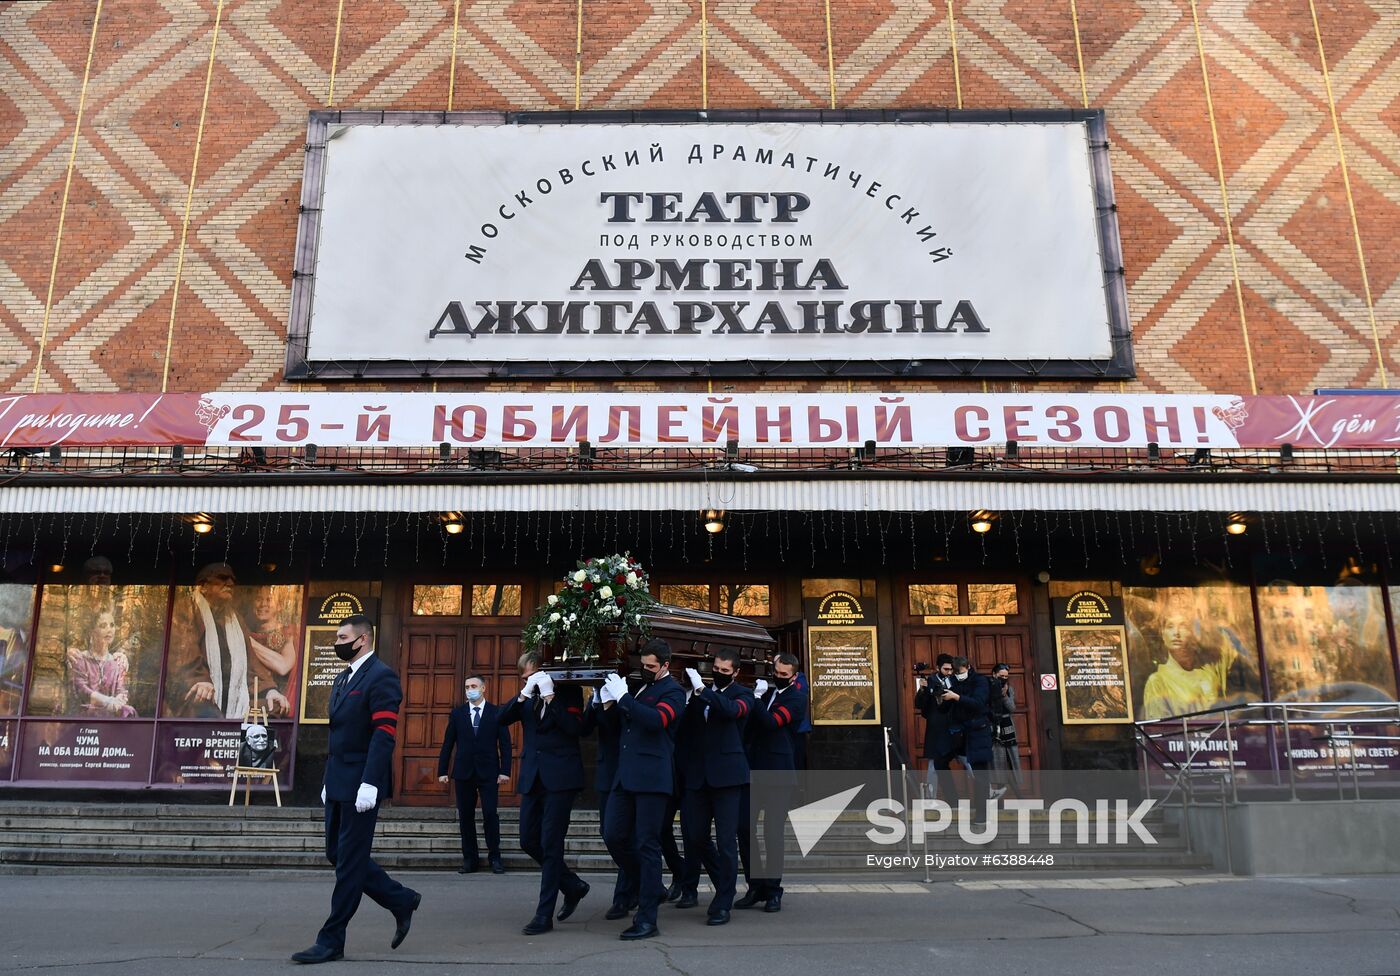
<point x="948" y="791"/>
<point x="718" y="805"/>
<point x="771" y="804"/>
<point x="544" y="823"/>
<point x="633" y="835"/>
<point x="349" y="836"/>
<point x="469" y="791"/>
<point x="623" y="891"/>
<point x="670" y="851"/>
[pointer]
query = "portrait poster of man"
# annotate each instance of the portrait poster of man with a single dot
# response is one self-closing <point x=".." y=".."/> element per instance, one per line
<point x="259" y="747"/>
<point x="16" y="616"/>
<point x="97" y="651"/>
<point x="1190" y="648"/>
<point x="1326" y="643"/>
<point x="223" y="636"/>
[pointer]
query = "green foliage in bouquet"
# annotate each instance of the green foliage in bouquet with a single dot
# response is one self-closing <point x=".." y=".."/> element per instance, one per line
<point x="607" y="594"/>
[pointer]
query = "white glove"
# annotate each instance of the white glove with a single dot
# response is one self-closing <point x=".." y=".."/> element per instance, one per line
<point x="760" y="688"/>
<point x="693" y="676"/>
<point x="616" y="685"/>
<point x="605" y="693"/>
<point x="530" y="684"/>
<point x="366" y="798"/>
<point x="545" y="684"/>
<point x="323" y="796"/>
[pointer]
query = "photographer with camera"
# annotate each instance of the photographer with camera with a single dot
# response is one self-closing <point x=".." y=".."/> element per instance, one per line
<point x="954" y="705"/>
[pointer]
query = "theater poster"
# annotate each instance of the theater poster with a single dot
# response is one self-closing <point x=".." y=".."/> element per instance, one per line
<point x="326" y="608"/>
<point x="1092" y="655"/>
<point x="842" y="651"/>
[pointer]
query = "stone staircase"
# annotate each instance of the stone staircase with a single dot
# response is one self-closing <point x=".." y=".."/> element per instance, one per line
<point x="38" y="837"/>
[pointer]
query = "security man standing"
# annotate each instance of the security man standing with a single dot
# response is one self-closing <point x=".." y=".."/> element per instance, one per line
<point x="482" y="767"/>
<point x="715" y="772"/>
<point x="777" y="713"/>
<point x="645" y="779"/>
<point x="551" y="776"/>
<point x="364" y="716"/>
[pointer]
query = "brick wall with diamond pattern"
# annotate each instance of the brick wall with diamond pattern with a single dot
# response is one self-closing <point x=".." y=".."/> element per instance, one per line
<point x="108" y="297"/>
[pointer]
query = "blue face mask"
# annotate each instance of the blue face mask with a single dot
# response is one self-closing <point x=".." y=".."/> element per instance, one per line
<point x="473" y="694"/>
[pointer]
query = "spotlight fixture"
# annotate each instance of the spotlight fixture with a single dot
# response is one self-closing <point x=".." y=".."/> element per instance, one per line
<point x="203" y="525"/>
<point x="1236" y="525"/>
<point x="585" y="454"/>
<point x="959" y="457"/>
<point x="982" y="522"/>
<point x="445" y="451"/>
<point x="55" y="454"/>
<point x="452" y="523"/>
<point x="309" y="451"/>
<point x="731" y="451"/>
<point x="177" y="454"/>
<point x="1199" y="457"/>
<point x="1285" y="453"/>
<point x="1154" y="451"/>
<point x="714" y="520"/>
<point x="1013" y="450"/>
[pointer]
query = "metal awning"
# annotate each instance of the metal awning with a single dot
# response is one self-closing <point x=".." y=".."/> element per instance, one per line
<point x="730" y="491"/>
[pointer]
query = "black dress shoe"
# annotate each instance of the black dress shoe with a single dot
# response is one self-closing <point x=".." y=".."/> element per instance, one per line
<point x="674" y="892"/>
<point x="469" y="867"/>
<point x="538" y="924"/>
<point x="402" y="922"/>
<point x="774" y="903"/>
<point x="718" y="918"/>
<point x="751" y="898"/>
<point x="688" y="900"/>
<point x="318" y="953"/>
<point x="640" y="932"/>
<point x="571" y="902"/>
<point x="616" y="911"/>
<point x="496" y="866"/>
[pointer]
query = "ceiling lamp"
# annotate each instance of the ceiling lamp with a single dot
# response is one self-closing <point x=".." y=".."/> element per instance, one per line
<point x="203" y="525"/>
<point x="982" y="522"/>
<point x="452" y="523"/>
<point x="714" y="520"/>
<point x="1236" y="525"/>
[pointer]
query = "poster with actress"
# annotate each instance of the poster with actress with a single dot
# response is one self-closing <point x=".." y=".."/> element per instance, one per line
<point x="16" y="617"/>
<point x="1190" y="648"/>
<point x="97" y="651"/>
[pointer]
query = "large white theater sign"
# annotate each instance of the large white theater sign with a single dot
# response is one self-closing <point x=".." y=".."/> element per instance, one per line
<point x="656" y="244"/>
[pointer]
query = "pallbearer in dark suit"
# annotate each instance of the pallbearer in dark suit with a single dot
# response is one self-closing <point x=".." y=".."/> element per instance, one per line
<point x="364" y="715"/>
<point x="777" y="714"/>
<point x="551" y="775"/>
<point x="482" y="766"/>
<point x="645" y="778"/>
<point x="715" y="770"/>
<point x="606" y="722"/>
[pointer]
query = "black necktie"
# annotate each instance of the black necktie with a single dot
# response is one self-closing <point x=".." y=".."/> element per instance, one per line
<point x="476" y="717"/>
<point x="338" y="687"/>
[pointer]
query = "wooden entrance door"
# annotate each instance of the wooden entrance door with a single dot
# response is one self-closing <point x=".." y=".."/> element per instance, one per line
<point x="451" y="636"/>
<point x="961" y="625"/>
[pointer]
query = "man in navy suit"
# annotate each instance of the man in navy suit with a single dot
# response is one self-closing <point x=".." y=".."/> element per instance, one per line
<point x="714" y="771"/>
<point x="551" y="776"/>
<point x="364" y="716"/>
<point x="645" y="778"/>
<point x="606" y="722"/>
<point x="482" y="766"/>
<point x="777" y="713"/>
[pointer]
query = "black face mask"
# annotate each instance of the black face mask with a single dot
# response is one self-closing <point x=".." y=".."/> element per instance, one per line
<point x="722" y="680"/>
<point x="649" y="676"/>
<point x="347" y="650"/>
<point x="781" y="682"/>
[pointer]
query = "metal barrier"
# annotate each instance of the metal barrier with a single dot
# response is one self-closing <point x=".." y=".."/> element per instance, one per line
<point x="1340" y="725"/>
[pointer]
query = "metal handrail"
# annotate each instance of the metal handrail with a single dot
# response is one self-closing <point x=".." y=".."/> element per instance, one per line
<point x="1198" y="728"/>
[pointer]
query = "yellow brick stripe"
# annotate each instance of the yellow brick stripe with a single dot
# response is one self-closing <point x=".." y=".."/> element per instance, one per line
<point x="189" y="197"/>
<point x="335" y="51"/>
<point x="1224" y="199"/>
<point x="1351" y="203"/>
<point x="452" y="68"/>
<point x="953" y="40"/>
<point x="1079" y="54"/>
<point x="63" y="205"/>
<point x="830" y="57"/>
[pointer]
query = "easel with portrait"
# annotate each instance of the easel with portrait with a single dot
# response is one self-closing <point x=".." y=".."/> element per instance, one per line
<point x="257" y="753"/>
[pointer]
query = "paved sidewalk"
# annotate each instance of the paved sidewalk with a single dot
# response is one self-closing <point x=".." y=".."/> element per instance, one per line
<point x="242" y="924"/>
